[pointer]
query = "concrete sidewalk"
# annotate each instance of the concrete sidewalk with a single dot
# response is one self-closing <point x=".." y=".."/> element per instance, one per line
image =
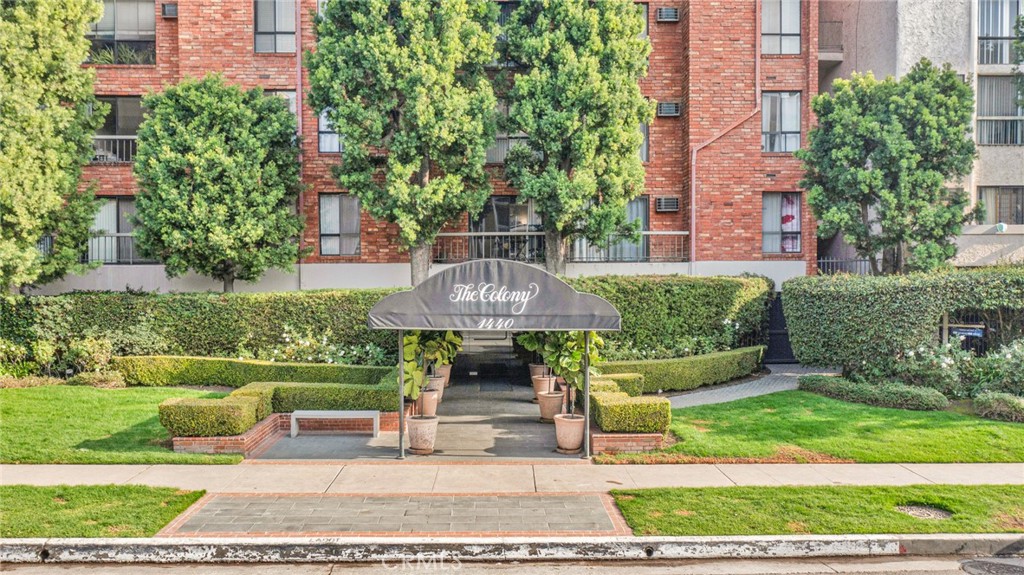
<point x="511" y="478"/>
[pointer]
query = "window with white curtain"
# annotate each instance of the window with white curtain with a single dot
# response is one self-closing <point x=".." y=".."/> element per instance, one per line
<point x="287" y="95"/>
<point x="645" y="12"/>
<point x="637" y="210"/>
<point x="125" y="34"/>
<point x="645" y="145"/>
<point x="503" y="141"/>
<point x="275" y="26"/>
<point x="1004" y="204"/>
<point x="780" y="26"/>
<point x="112" y="227"/>
<point x="1000" y="116"/>
<point x="339" y="225"/>
<point x="995" y="30"/>
<point x="780" y="121"/>
<point x="780" y="223"/>
<point x="329" y="140"/>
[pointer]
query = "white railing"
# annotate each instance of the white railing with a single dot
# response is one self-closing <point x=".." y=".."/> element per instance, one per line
<point x="497" y="153"/>
<point x="114" y="249"/>
<point x="529" y="247"/>
<point x="114" y="149"/>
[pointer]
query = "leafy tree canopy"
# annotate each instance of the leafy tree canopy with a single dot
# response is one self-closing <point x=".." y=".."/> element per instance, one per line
<point x="218" y="173"/>
<point x="47" y="118"/>
<point x="404" y="85"/>
<point x="576" y="97"/>
<point x="880" y="161"/>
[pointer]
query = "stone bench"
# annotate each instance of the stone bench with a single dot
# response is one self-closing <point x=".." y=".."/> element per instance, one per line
<point x="368" y="414"/>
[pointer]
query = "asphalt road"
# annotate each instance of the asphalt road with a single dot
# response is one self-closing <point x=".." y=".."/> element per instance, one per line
<point x="872" y="566"/>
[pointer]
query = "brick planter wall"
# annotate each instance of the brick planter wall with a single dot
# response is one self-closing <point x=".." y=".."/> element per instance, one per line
<point x="601" y="442"/>
<point x="275" y="426"/>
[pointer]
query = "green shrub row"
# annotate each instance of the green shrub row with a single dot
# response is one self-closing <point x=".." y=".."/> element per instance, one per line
<point x="658" y="311"/>
<point x="196" y="417"/>
<point x="619" y="412"/>
<point x="161" y="371"/>
<point x="690" y="372"/>
<point x="890" y="394"/>
<point x="857" y="321"/>
<point x="630" y="383"/>
<point x="1001" y="406"/>
<point x="102" y="379"/>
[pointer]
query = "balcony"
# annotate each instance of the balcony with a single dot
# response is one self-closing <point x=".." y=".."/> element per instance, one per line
<point x="996" y="50"/>
<point x="114" y="249"/>
<point x="1007" y="131"/>
<point x="497" y="153"/>
<point x="830" y="43"/>
<point x="528" y="247"/>
<point x="114" y="149"/>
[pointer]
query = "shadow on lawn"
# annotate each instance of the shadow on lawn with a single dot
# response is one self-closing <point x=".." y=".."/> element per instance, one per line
<point x="146" y="435"/>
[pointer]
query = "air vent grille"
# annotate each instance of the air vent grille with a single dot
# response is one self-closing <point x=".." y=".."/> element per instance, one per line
<point x="669" y="109"/>
<point x="666" y="204"/>
<point x="667" y="15"/>
<point x="169" y="10"/>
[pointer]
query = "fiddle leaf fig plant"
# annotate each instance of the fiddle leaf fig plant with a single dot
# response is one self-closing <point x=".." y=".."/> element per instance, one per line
<point x="564" y="352"/>
<point x="413" y="364"/>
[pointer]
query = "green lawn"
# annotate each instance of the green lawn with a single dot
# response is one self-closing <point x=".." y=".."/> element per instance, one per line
<point x="63" y="424"/>
<point x="800" y="426"/>
<point x="89" y="510"/>
<point x="821" y="510"/>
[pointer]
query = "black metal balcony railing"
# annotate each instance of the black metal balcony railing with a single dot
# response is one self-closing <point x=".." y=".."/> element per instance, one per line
<point x="114" y="149"/>
<point x="114" y="249"/>
<point x="830" y="36"/>
<point x="1001" y="131"/>
<point x="829" y="266"/>
<point x="529" y="247"/>
<point x="995" y="50"/>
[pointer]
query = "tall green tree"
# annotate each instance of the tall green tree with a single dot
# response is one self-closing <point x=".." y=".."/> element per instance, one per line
<point x="1018" y="57"/>
<point x="575" y="95"/>
<point x="218" y="173"/>
<point x="404" y="84"/>
<point x="879" y="164"/>
<point x="48" y="115"/>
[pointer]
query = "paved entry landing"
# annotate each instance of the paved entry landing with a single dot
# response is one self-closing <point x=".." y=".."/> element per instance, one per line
<point x="354" y="515"/>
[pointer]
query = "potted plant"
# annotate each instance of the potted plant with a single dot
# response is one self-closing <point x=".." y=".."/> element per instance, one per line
<point x="448" y="346"/>
<point x="540" y="373"/>
<point x="422" y="428"/>
<point x="567" y="362"/>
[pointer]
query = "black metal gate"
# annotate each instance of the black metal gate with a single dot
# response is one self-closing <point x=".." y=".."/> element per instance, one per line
<point x="779" y="350"/>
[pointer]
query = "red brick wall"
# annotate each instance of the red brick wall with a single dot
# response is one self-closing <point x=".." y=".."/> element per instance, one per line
<point x="601" y="442"/>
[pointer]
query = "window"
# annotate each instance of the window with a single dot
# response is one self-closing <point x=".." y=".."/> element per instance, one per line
<point x="1000" y="117"/>
<point x="275" y="26"/>
<point x="1003" y="204"/>
<point x="115" y="140"/>
<point x="645" y="12"/>
<point x="995" y="30"/>
<point x="637" y="210"/>
<point x="113" y="226"/>
<point x="505" y="10"/>
<point x="780" y="121"/>
<point x="780" y="26"/>
<point x="780" y="223"/>
<point x="507" y="230"/>
<point x="645" y="145"/>
<point x="503" y="141"/>
<point x="330" y="141"/>
<point x="339" y="225"/>
<point x="126" y="34"/>
<point x="287" y="95"/>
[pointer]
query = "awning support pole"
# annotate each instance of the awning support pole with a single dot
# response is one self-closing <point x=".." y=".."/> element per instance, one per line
<point x="401" y="394"/>
<point x="586" y="394"/>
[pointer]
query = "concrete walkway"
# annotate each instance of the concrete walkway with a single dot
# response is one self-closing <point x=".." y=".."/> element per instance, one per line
<point x="511" y="478"/>
<point x="783" y="377"/>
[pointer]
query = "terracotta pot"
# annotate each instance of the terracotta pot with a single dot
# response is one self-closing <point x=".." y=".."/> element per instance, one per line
<point x="569" y="432"/>
<point x="428" y="402"/>
<point x="422" y="434"/>
<point x="444" y="371"/>
<point x="436" y="383"/>
<point x="541" y="383"/>
<point x="537" y="369"/>
<point x="550" y="405"/>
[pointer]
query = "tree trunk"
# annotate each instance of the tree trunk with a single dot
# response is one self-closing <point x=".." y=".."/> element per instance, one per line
<point x="419" y="260"/>
<point x="229" y="283"/>
<point x="554" y="252"/>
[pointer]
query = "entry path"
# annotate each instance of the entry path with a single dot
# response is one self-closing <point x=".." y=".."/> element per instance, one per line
<point x="782" y="377"/>
<point x="511" y="478"/>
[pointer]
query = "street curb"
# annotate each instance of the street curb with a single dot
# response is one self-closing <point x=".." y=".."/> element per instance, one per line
<point x="434" y="550"/>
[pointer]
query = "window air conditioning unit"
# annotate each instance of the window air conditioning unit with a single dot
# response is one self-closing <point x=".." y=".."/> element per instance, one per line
<point x="666" y="15"/>
<point x="666" y="204"/>
<point x="169" y="10"/>
<point x="669" y="109"/>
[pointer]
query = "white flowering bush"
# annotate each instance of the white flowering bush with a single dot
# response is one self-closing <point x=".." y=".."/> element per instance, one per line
<point x="942" y="367"/>
<point x="1002" y="370"/>
<point x="307" y="347"/>
<point x="684" y="347"/>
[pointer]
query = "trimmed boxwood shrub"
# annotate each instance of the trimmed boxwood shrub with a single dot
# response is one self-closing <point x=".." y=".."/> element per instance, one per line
<point x="690" y="372"/>
<point x="165" y="370"/>
<point x="604" y="386"/>
<point x="289" y="397"/>
<point x="618" y="412"/>
<point x="890" y="394"/>
<point x="855" y="321"/>
<point x="197" y="417"/>
<point x="630" y="383"/>
<point x="264" y="394"/>
<point x="1001" y="406"/>
<point x="659" y="310"/>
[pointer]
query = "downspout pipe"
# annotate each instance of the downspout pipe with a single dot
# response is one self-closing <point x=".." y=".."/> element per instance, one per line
<point x="756" y="110"/>
<point x="298" y="116"/>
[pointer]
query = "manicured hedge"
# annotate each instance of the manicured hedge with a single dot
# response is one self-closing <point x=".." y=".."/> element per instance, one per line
<point x="892" y="394"/>
<point x="630" y="383"/>
<point x="659" y="310"/>
<point x="1001" y="406"/>
<point x="618" y="412"/>
<point x="159" y="371"/>
<point x="206" y="324"/>
<point x="264" y="394"/>
<point x="690" y="372"/>
<point x="194" y="417"/>
<point x="290" y="397"/>
<point x="604" y="386"/>
<point x="853" y="321"/>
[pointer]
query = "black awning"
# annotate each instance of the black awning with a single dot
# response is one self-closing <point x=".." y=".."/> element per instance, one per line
<point x="494" y="295"/>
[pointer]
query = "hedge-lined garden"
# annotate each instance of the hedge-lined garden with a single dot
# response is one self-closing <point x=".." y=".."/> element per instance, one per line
<point x="687" y="373"/>
<point x="162" y="371"/>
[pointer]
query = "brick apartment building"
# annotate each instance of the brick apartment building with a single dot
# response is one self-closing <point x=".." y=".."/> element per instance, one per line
<point x="733" y="80"/>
